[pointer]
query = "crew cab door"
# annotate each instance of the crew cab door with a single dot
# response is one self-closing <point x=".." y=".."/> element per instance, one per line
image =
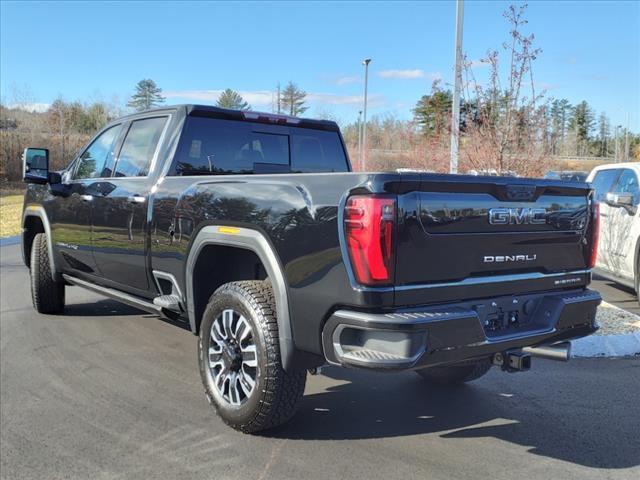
<point x="71" y="213"/>
<point x="625" y="226"/>
<point x="120" y="211"/>
<point x="603" y="182"/>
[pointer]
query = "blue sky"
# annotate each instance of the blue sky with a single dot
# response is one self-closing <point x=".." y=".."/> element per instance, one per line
<point x="591" y="50"/>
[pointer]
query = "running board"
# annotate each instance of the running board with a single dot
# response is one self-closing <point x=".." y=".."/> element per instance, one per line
<point x="115" y="294"/>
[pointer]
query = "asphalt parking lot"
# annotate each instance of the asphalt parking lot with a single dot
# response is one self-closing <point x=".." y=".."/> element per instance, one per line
<point x="616" y="294"/>
<point x="108" y="392"/>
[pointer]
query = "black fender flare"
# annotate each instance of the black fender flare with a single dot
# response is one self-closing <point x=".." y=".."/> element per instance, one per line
<point x="40" y="212"/>
<point x="255" y="241"/>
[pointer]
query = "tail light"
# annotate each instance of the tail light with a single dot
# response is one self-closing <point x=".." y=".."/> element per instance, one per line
<point x="370" y="231"/>
<point x="595" y="234"/>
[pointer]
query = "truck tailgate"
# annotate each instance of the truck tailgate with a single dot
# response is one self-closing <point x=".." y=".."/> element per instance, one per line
<point x="470" y="229"/>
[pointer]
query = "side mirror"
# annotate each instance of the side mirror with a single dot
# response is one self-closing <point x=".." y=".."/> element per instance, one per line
<point x="620" y="199"/>
<point x="35" y="165"/>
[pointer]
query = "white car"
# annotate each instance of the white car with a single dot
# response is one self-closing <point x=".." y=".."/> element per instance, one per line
<point x="617" y="188"/>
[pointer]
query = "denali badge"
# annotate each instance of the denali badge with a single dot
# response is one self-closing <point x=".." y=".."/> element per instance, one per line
<point x="517" y="216"/>
<point x="509" y="258"/>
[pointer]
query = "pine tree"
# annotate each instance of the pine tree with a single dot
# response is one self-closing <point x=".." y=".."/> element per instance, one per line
<point x="604" y="130"/>
<point x="560" y="110"/>
<point x="292" y="100"/>
<point x="581" y="124"/>
<point x="432" y="112"/>
<point x="233" y="100"/>
<point x="147" y="95"/>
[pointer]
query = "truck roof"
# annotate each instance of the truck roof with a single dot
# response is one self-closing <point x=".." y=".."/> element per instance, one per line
<point x="618" y="165"/>
<point x="246" y="115"/>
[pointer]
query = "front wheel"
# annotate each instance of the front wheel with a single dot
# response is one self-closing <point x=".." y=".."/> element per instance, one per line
<point x="47" y="294"/>
<point x="453" y="374"/>
<point x="239" y="357"/>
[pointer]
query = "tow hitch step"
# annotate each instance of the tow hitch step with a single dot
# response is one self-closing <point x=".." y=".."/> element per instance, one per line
<point x="514" y="361"/>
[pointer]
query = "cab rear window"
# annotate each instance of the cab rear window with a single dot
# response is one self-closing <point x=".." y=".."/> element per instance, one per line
<point x="211" y="146"/>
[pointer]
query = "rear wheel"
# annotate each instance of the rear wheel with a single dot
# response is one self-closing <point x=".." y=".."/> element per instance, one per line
<point x="453" y="374"/>
<point x="239" y="357"/>
<point x="47" y="294"/>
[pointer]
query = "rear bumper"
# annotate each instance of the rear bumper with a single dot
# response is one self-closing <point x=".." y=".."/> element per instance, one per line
<point x="418" y="338"/>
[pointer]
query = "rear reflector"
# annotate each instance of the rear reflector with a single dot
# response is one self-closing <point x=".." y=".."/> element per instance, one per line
<point x="595" y="234"/>
<point x="370" y="231"/>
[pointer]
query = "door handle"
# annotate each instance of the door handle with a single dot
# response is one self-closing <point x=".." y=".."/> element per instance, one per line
<point x="136" y="199"/>
<point x="86" y="198"/>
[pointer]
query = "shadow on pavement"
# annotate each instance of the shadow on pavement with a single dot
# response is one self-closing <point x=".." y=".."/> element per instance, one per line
<point x="388" y="405"/>
<point x="113" y="308"/>
<point x="101" y="308"/>
<point x="617" y="286"/>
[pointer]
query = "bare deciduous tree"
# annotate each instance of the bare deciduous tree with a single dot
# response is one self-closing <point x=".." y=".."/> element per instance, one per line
<point x="510" y="116"/>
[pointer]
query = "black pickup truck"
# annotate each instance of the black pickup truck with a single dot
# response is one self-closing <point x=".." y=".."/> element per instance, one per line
<point x="252" y="231"/>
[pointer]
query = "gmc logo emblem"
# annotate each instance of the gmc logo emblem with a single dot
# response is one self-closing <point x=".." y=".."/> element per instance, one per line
<point x="517" y="216"/>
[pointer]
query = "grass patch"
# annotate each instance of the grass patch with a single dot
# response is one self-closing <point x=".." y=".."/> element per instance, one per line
<point x="10" y="215"/>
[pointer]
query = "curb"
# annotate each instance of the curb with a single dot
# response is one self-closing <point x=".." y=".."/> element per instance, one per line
<point x="610" y="346"/>
<point x="15" y="240"/>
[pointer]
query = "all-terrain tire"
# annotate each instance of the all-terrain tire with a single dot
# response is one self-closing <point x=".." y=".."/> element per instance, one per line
<point x="277" y="393"/>
<point x="453" y="374"/>
<point x="47" y="294"/>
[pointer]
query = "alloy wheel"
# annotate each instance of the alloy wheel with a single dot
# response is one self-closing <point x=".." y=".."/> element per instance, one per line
<point x="233" y="360"/>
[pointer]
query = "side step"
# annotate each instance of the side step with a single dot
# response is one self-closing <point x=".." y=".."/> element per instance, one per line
<point x="115" y="294"/>
<point x="168" y="302"/>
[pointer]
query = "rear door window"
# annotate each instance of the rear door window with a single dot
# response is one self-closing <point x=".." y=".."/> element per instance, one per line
<point x="139" y="147"/>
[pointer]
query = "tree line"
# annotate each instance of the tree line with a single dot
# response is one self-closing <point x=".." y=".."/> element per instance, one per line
<point x="568" y="129"/>
<point x="506" y="124"/>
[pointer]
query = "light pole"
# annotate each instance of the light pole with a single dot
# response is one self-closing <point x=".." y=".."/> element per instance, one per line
<point x="626" y="141"/>
<point x="363" y="154"/>
<point x="359" y="133"/>
<point x="617" y="148"/>
<point x="455" y="115"/>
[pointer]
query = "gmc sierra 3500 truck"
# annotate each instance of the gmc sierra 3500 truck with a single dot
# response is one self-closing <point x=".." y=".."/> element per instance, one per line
<point x="252" y="231"/>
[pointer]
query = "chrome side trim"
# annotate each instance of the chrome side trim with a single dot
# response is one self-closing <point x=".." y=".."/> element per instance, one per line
<point x="494" y="279"/>
<point x="39" y="211"/>
<point x="256" y="242"/>
<point x="115" y="294"/>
